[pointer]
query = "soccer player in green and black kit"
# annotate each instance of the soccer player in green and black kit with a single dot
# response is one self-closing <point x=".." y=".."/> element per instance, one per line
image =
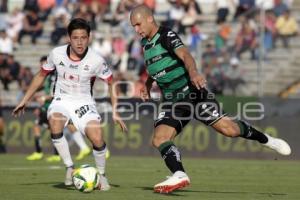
<point x="185" y="97"/>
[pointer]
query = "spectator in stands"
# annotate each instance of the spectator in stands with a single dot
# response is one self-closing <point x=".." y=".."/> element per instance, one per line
<point x="233" y="75"/>
<point x="60" y="21"/>
<point x="244" y="7"/>
<point x="279" y="7"/>
<point x="264" y="4"/>
<point x="6" y="43"/>
<point x="223" y="7"/>
<point x="150" y="4"/>
<point x="84" y="12"/>
<point x="122" y="10"/>
<point x="135" y="60"/>
<point x="31" y="5"/>
<point x="14" y="67"/>
<point x="25" y="77"/>
<point x="45" y="7"/>
<point x="222" y="36"/>
<point x="99" y="7"/>
<point x="195" y="39"/>
<point x="246" y="40"/>
<point x="32" y="26"/>
<point x="190" y="16"/>
<point x="270" y="30"/>
<point x="103" y="46"/>
<point x="209" y="61"/>
<point x="3" y="6"/>
<point x="286" y="27"/>
<point x="2" y="145"/>
<point x="5" y="75"/>
<point x="175" y="14"/>
<point x="14" y="24"/>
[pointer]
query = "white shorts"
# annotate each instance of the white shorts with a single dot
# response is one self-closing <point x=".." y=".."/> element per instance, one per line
<point x="78" y="112"/>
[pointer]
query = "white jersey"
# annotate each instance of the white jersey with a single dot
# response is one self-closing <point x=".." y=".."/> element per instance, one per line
<point x="75" y="78"/>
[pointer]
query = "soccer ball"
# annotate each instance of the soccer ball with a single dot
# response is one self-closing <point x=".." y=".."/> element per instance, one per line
<point x="86" y="178"/>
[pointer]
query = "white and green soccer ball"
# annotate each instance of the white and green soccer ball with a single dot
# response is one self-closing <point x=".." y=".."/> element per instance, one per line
<point x="86" y="178"/>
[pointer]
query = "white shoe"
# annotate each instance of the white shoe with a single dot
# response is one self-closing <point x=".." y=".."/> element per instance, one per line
<point x="103" y="185"/>
<point x="68" y="180"/>
<point x="279" y="145"/>
<point x="178" y="180"/>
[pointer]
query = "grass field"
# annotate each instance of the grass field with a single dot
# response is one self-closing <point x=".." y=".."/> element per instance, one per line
<point x="134" y="177"/>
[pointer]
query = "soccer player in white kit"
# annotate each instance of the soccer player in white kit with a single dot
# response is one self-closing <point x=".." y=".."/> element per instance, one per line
<point x="77" y="67"/>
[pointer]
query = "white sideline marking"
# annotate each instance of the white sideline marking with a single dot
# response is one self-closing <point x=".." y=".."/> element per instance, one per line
<point x="54" y="167"/>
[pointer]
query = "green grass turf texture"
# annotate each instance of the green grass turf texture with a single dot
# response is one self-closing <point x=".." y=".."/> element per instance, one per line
<point x="132" y="178"/>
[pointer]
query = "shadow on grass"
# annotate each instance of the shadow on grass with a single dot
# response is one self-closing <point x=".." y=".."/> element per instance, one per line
<point x="176" y="193"/>
<point x="236" y="192"/>
<point x="61" y="185"/>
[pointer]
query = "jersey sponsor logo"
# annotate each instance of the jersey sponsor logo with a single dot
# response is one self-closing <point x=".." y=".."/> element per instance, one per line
<point x="73" y="66"/>
<point x="160" y="74"/>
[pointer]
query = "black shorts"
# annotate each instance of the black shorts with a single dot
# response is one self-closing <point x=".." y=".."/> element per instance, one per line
<point x="1" y="114"/>
<point x="42" y="120"/>
<point x="199" y="104"/>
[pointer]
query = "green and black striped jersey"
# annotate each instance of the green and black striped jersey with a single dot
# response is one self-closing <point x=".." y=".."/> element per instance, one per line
<point x="164" y="66"/>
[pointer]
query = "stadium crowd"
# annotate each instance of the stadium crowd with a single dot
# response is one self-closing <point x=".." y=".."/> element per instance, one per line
<point x="219" y="60"/>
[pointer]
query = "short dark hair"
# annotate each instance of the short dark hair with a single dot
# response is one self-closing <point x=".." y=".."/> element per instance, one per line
<point x="79" y="23"/>
<point x="43" y="58"/>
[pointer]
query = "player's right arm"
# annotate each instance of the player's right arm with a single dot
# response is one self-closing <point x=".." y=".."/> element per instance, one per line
<point x="145" y="91"/>
<point x="35" y="84"/>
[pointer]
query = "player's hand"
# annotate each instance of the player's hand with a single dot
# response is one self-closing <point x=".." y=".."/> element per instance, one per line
<point x="117" y="119"/>
<point x="20" y="109"/>
<point x="198" y="80"/>
<point x="144" y="93"/>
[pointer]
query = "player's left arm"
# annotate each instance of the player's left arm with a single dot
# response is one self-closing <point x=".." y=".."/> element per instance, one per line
<point x="114" y="103"/>
<point x="104" y="72"/>
<point x="172" y="42"/>
<point x="197" y="79"/>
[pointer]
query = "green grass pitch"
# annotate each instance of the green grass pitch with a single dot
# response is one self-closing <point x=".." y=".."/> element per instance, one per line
<point x="132" y="178"/>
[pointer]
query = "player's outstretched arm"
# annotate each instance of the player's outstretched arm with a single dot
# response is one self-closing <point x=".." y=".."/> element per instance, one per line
<point x="197" y="79"/>
<point x="34" y="85"/>
<point x="114" y="103"/>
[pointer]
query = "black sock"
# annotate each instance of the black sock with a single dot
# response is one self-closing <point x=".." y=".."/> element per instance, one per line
<point x="37" y="142"/>
<point x="171" y="156"/>
<point x="248" y="132"/>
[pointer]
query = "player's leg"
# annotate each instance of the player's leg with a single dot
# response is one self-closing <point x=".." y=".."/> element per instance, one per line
<point x="37" y="154"/>
<point x="163" y="141"/>
<point x="209" y="112"/>
<point x="94" y="134"/>
<point x="57" y="123"/>
<point x="79" y="140"/>
<point x="239" y="128"/>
